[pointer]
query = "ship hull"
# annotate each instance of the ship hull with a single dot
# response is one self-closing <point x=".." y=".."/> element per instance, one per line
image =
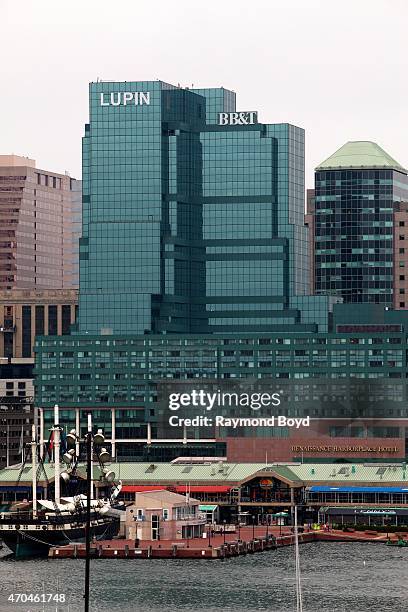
<point x="30" y="543"/>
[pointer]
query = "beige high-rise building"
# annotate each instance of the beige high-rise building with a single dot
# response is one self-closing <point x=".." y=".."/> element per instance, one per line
<point x="40" y="218"/>
<point x="40" y="225"/>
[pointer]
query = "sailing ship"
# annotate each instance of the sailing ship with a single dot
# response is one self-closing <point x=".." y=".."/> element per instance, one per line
<point x="31" y="528"/>
<point x="30" y="534"/>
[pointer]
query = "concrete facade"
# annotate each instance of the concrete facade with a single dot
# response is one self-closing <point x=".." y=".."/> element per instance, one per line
<point x="26" y="313"/>
<point x="40" y="215"/>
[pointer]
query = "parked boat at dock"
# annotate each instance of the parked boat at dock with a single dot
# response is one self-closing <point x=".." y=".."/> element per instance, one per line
<point x="30" y="529"/>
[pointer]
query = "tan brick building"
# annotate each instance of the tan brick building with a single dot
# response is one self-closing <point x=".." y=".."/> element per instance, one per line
<point x="26" y="313"/>
<point x="40" y="218"/>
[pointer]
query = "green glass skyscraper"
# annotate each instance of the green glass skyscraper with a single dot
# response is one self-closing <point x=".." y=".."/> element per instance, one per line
<point x="193" y="217"/>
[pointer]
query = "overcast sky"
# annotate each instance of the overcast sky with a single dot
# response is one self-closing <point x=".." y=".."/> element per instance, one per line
<point x="337" y="69"/>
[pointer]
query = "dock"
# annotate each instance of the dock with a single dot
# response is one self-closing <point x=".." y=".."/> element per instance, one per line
<point x="249" y="542"/>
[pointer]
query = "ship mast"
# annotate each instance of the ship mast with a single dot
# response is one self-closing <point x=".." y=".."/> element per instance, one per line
<point x="34" y="469"/>
<point x="57" y="433"/>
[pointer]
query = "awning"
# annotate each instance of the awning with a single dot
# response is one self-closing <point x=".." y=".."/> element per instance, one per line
<point x="372" y="511"/>
<point x="201" y="489"/>
<point x="141" y="488"/>
<point x="207" y="508"/>
<point x="359" y="489"/>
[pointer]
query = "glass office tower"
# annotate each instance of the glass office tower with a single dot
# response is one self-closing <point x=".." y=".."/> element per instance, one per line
<point x="193" y="271"/>
<point x="358" y="191"/>
<point x="193" y="216"/>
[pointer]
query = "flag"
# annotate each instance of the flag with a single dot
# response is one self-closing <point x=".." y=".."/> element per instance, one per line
<point x="63" y="442"/>
<point x="50" y="446"/>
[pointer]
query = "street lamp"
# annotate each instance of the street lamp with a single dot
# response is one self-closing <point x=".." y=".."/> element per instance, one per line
<point x="106" y="474"/>
<point x="253" y="526"/>
<point x="225" y="522"/>
<point x="239" y="530"/>
<point x="267" y="526"/>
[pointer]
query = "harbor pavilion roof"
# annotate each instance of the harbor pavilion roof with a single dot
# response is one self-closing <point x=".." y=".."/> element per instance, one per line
<point x="232" y="474"/>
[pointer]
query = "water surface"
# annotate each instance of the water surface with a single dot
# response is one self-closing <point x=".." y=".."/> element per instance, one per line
<point x="336" y="577"/>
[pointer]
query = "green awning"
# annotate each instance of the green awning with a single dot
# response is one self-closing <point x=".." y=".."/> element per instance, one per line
<point x="207" y="508"/>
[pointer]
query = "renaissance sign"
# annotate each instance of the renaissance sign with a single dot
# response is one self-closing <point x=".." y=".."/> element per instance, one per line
<point x="124" y="98"/>
<point x="344" y="449"/>
<point x="243" y="118"/>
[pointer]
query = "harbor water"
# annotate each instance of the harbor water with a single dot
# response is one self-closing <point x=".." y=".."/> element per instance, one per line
<point x="336" y="577"/>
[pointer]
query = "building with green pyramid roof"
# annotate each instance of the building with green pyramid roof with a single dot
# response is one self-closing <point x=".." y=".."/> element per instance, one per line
<point x="360" y="154"/>
<point x="360" y="219"/>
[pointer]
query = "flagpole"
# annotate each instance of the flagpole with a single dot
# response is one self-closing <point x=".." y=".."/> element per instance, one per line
<point x="22" y="444"/>
<point x="8" y="446"/>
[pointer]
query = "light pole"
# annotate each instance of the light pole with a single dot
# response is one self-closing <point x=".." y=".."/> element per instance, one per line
<point x="267" y="526"/>
<point x="88" y="511"/>
<point x="225" y="522"/>
<point x="69" y="457"/>
<point x="239" y="531"/>
<point x="253" y="526"/>
<point x="209" y="535"/>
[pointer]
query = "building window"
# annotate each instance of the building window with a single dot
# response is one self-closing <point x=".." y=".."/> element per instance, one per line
<point x="66" y="318"/>
<point x="402" y="277"/>
<point x="166" y="514"/>
<point x="26" y="335"/>
<point x="402" y="237"/>
<point x="52" y="321"/>
<point x="402" y="304"/>
<point x="9" y="385"/>
<point x="402" y="223"/>
<point x="402" y="251"/>
<point x="39" y="320"/>
<point x="8" y="344"/>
